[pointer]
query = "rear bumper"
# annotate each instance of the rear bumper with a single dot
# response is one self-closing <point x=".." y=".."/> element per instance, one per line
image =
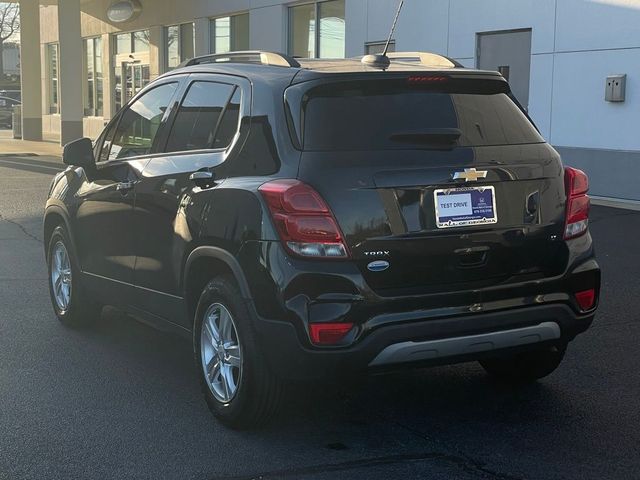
<point x="288" y="294"/>
<point x="428" y="342"/>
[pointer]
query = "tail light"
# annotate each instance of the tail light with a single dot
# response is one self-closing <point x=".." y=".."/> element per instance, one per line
<point x="577" y="218"/>
<point x="586" y="299"/>
<point x="303" y="219"/>
<point x="328" y="333"/>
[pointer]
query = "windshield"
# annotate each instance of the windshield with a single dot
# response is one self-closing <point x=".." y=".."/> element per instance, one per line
<point x="412" y="112"/>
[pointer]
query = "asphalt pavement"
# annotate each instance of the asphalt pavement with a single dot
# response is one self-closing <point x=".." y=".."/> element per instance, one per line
<point x="121" y="400"/>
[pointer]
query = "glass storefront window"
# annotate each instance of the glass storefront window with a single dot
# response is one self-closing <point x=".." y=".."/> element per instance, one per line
<point x="332" y="29"/>
<point x="123" y="43"/>
<point x="141" y="41"/>
<point x="132" y="42"/>
<point x="302" y="28"/>
<point x="52" y="77"/>
<point x="179" y="44"/>
<point x="230" y="33"/>
<point x="173" y="46"/>
<point x="317" y="30"/>
<point x="130" y="65"/>
<point x="372" y="48"/>
<point x="93" y="78"/>
<point x="99" y="88"/>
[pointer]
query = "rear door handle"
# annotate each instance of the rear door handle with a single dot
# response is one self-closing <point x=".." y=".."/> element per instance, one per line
<point x="125" y="187"/>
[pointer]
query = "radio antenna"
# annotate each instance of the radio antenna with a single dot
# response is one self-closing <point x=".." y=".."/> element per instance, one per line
<point x="393" y="28"/>
<point x="380" y="60"/>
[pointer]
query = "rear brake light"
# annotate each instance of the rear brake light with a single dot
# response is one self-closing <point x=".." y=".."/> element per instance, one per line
<point x="303" y="219"/>
<point x="586" y="299"/>
<point x="422" y="79"/>
<point x="328" y="333"/>
<point x="577" y="217"/>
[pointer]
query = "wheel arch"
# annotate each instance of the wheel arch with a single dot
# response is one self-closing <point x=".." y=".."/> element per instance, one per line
<point x="204" y="263"/>
<point x="53" y="217"/>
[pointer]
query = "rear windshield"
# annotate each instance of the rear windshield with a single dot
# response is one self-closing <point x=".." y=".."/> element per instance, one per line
<point x="410" y="113"/>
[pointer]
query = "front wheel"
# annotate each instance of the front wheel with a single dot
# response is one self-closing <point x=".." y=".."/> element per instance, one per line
<point x="72" y="304"/>
<point x="238" y="386"/>
<point x="526" y="366"/>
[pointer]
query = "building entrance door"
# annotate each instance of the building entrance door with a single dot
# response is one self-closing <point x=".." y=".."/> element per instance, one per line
<point x="132" y="74"/>
<point x="137" y="77"/>
<point x="508" y="52"/>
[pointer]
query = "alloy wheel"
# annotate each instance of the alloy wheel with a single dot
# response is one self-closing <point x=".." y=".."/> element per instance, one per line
<point x="220" y="353"/>
<point x="61" y="277"/>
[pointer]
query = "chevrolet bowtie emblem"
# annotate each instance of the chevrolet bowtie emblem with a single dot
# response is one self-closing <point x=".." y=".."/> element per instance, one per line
<point x="470" y="175"/>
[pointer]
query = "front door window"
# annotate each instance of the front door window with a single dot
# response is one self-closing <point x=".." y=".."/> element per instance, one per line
<point x="140" y="122"/>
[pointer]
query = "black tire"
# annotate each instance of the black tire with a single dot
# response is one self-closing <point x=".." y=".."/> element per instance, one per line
<point x="81" y="309"/>
<point x="259" y="391"/>
<point x="525" y="367"/>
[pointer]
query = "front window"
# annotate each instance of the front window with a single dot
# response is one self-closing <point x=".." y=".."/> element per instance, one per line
<point x="179" y="44"/>
<point x="93" y="78"/>
<point x="230" y="33"/>
<point x="140" y="123"/>
<point x="317" y="30"/>
<point x="52" y="78"/>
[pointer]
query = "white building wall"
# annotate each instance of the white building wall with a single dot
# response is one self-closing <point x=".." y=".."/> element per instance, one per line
<point x="576" y="44"/>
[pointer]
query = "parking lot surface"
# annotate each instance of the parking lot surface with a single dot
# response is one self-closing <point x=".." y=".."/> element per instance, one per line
<point x="121" y="400"/>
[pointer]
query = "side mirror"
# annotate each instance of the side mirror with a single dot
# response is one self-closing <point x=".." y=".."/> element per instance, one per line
<point x="79" y="153"/>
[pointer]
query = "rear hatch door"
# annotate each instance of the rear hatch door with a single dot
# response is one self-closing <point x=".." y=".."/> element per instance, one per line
<point x="437" y="182"/>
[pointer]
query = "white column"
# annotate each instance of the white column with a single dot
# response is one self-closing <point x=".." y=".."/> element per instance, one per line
<point x="201" y="36"/>
<point x="156" y="51"/>
<point x="70" y="66"/>
<point x="30" y="70"/>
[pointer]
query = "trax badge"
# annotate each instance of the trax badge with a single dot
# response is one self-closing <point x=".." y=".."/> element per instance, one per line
<point x="378" y="266"/>
<point x="470" y="175"/>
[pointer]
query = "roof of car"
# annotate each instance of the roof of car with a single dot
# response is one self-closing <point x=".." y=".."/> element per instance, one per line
<point x="259" y="64"/>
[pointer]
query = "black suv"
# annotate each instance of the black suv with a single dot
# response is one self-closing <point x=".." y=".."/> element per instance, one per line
<point x="302" y="219"/>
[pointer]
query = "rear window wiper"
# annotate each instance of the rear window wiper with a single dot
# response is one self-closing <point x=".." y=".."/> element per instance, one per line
<point x="430" y="136"/>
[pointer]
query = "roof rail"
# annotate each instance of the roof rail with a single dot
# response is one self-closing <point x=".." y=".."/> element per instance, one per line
<point x="425" y="58"/>
<point x="253" y="56"/>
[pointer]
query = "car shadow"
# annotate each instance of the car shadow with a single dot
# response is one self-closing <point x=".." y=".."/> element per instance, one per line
<point x="441" y="393"/>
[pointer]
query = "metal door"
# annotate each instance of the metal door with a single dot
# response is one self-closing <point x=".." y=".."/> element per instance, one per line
<point x="508" y="52"/>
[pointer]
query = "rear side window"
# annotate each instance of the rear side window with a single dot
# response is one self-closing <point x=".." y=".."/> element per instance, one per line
<point x="395" y="114"/>
<point x="205" y="118"/>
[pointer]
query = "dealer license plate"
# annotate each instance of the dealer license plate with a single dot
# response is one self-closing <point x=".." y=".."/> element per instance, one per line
<point x="466" y="206"/>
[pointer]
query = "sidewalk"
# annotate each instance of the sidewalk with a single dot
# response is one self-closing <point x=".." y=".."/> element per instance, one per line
<point x="49" y="146"/>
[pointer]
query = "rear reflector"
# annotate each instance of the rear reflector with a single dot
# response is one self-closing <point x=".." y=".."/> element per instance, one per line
<point x="586" y="299"/>
<point x="328" y="333"/>
<point x="303" y="220"/>
<point x="577" y="217"/>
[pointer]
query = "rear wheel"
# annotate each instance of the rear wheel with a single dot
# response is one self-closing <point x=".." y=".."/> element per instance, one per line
<point x="239" y="388"/>
<point x="526" y="366"/>
<point x="73" y="306"/>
